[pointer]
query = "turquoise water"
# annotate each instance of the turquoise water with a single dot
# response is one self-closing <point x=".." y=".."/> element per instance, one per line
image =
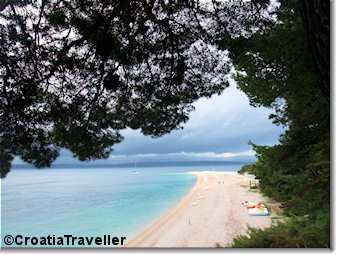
<point x="91" y="202"/>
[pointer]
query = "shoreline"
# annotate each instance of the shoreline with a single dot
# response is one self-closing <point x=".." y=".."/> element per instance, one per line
<point x="209" y="214"/>
<point x="151" y="227"/>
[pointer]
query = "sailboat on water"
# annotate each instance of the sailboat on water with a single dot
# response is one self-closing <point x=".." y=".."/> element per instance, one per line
<point x="135" y="166"/>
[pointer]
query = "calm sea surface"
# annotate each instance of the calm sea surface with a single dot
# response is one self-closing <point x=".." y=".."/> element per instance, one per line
<point x="92" y="202"/>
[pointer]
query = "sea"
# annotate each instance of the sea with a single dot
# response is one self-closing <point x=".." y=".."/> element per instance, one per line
<point x="94" y="201"/>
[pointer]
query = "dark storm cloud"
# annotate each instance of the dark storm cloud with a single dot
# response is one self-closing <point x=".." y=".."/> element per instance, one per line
<point x="221" y="124"/>
<point x="219" y="129"/>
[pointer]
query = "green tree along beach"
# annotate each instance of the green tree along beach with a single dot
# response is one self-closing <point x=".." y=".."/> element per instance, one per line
<point x="297" y="170"/>
<point x="74" y="74"/>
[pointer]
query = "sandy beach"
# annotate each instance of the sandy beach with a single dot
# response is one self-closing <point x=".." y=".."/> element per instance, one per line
<point x="210" y="213"/>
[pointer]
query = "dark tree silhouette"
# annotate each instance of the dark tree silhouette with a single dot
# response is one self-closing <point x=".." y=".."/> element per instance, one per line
<point x="74" y="73"/>
<point x="316" y="17"/>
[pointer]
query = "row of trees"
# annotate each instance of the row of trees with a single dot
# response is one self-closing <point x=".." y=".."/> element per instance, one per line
<point x="281" y="70"/>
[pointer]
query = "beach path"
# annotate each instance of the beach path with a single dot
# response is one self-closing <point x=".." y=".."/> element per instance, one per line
<point x="210" y="213"/>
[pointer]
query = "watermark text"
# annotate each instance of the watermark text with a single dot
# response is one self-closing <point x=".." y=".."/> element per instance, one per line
<point x="63" y="240"/>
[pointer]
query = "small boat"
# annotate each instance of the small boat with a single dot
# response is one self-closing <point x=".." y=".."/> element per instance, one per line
<point x="258" y="211"/>
<point x="135" y="171"/>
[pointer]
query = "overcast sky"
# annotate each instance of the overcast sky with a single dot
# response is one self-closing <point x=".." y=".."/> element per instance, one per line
<point x="219" y="129"/>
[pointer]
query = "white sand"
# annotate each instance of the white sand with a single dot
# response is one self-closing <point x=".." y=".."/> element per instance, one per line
<point x="210" y="213"/>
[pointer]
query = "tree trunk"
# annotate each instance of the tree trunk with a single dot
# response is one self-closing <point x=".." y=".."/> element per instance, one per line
<point x="316" y="17"/>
